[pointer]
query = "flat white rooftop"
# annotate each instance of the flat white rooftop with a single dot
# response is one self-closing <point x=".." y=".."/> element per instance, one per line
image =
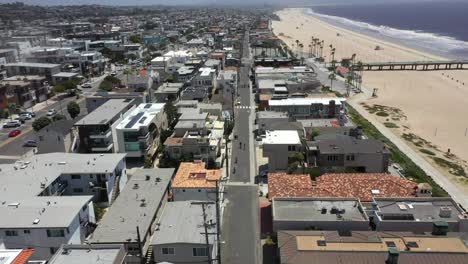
<point x="298" y="69"/>
<point x="282" y="137"/>
<point x="306" y="101"/>
<point x="205" y="71"/>
<point x="142" y="116"/>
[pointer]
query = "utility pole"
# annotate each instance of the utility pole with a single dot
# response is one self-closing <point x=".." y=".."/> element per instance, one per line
<point x="205" y="225"/>
<point x="218" y="222"/>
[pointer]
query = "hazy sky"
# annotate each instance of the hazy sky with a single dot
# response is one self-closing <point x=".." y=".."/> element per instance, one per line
<point x="194" y="2"/>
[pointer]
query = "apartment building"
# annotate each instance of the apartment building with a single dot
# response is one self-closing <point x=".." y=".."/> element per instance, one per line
<point x="138" y="133"/>
<point x="95" y="130"/>
<point x="168" y="92"/>
<point x="29" y="68"/>
<point x="23" y="90"/>
<point x="309" y="107"/>
<point x="102" y="254"/>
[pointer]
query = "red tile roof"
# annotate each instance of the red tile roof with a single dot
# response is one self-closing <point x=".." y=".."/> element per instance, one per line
<point x="343" y="185"/>
<point x="23" y="257"/>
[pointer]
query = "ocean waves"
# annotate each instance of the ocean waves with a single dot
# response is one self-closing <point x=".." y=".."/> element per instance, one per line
<point x="426" y="40"/>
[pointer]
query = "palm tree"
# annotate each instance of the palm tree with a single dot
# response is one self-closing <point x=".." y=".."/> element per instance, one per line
<point x="332" y="55"/>
<point x="332" y="77"/>
<point x="297" y="46"/>
<point x="310" y="51"/>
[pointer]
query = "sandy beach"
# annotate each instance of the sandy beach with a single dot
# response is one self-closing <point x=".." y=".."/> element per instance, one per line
<point x="432" y="105"/>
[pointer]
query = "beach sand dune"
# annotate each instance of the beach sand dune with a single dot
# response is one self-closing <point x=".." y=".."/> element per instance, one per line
<point x="435" y="102"/>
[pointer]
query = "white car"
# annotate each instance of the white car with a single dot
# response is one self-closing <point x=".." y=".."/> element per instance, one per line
<point x="51" y="112"/>
<point x="86" y="85"/>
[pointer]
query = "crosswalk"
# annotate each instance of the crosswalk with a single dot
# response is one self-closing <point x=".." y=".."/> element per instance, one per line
<point x="244" y="107"/>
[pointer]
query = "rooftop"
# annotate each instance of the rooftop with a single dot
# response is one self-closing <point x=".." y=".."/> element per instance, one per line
<point x="42" y="211"/>
<point x="317" y="209"/>
<point x="305" y="101"/>
<point x="25" y="177"/>
<point x="169" y="88"/>
<point x="418" y="209"/>
<point x="184" y="70"/>
<point x="15" y="256"/>
<point x="32" y="64"/>
<point x="283" y="137"/>
<point x="182" y="222"/>
<point x="299" y="247"/>
<point x="364" y="186"/>
<point x="96" y="254"/>
<point x="205" y="71"/>
<point x="345" y="145"/>
<point x="65" y="74"/>
<point x="142" y="116"/>
<point x="194" y="175"/>
<point x="193" y="115"/>
<point x="106" y="112"/>
<point x="268" y="70"/>
<point x="272" y="114"/>
<point x="136" y="205"/>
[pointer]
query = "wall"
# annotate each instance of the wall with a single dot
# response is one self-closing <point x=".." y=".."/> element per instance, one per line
<point x="277" y="160"/>
<point x="183" y="253"/>
<point x="320" y="225"/>
<point x="196" y="194"/>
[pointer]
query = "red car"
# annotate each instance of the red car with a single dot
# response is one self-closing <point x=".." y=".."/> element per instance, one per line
<point x="14" y="133"/>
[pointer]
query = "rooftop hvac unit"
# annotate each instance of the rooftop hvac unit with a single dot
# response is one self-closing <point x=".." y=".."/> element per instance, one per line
<point x="445" y="212"/>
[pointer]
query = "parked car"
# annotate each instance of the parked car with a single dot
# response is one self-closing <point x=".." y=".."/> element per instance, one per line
<point x="14" y="123"/>
<point x="20" y="119"/>
<point x="30" y="143"/>
<point x="86" y="85"/>
<point x="14" y="133"/>
<point x="25" y="116"/>
<point x="32" y="114"/>
<point x="113" y="73"/>
<point x="51" y="112"/>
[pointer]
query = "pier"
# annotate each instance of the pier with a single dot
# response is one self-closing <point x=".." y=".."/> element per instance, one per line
<point x="412" y="65"/>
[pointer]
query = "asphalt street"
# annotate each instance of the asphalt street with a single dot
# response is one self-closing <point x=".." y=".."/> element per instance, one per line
<point x="241" y="222"/>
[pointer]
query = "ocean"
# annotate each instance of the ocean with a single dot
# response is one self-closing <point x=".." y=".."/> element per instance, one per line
<point x="439" y="28"/>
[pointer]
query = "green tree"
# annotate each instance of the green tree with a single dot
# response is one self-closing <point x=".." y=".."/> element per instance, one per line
<point x="148" y="163"/>
<point x="13" y="109"/>
<point x="314" y="134"/>
<point x="58" y="117"/>
<point x="73" y="109"/>
<point x="41" y="122"/>
<point x="171" y="113"/>
<point x="135" y="39"/>
<point x="106" y="86"/>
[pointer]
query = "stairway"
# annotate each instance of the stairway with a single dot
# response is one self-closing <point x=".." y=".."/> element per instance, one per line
<point x="149" y="256"/>
<point x="116" y="189"/>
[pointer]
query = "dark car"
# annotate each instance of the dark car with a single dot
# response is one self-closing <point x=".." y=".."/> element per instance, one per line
<point x="14" y="133"/>
<point x="30" y="143"/>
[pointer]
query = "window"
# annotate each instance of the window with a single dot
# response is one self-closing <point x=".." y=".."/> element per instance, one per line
<point x="200" y="252"/>
<point x="41" y="138"/>
<point x="76" y="177"/>
<point x="55" y="233"/>
<point x="291" y="148"/>
<point x="167" y="251"/>
<point x="321" y="243"/>
<point x="78" y="190"/>
<point x="27" y="231"/>
<point x="350" y="157"/>
<point x="11" y="233"/>
<point x="390" y="244"/>
<point x="412" y="244"/>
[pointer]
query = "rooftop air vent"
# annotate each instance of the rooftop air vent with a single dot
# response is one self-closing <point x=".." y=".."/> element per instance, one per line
<point x="135" y="186"/>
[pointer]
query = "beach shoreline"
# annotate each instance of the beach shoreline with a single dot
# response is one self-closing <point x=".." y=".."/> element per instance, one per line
<point x="432" y="102"/>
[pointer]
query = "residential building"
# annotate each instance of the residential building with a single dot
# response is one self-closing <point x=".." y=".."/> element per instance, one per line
<point x="193" y="182"/>
<point x="55" y="55"/>
<point x="95" y="130"/>
<point x="180" y="237"/>
<point x="64" y="76"/>
<point x="55" y="137"/>
<point x="364" y="186"/>
<point x="279" y="146"/>
<point x="140" y="81"/>
<point x="99" y="98"/>
<point x="55" y="174"/>
<point x="45" y="223"/>
<point x="200" y="94"/>
<point x="168" y="92"/>
<point x="266" y="118"/>
<point x="138" y="133"/>
<point x="340" y="214"/>
<point x="8" y="56"/>
<point x="24" y="91"/>
<point x="310" y="107"/>
<point x="102" y="254"/>
<point x="29" y="68"/>
<point x="162" y="62"/>
<point x="180" y="56"/>
<point x="215" y="109"/>
<point x="206" y="78"/>
<point x="419" y="214"/>
<point x="346" y="154"/>
<point x="136" y="208"/>
<point x="227" y="87"/>
<point x="331" y="247"/>
<point x="184" y="74"/>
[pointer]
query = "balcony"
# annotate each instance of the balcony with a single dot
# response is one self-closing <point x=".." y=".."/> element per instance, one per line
<point x="132" y="146"/>
<point x="102" y="148"/>
<point x="102" y="135"/>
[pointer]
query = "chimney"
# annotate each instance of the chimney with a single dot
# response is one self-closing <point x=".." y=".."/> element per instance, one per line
<point x="393" y="255"/>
